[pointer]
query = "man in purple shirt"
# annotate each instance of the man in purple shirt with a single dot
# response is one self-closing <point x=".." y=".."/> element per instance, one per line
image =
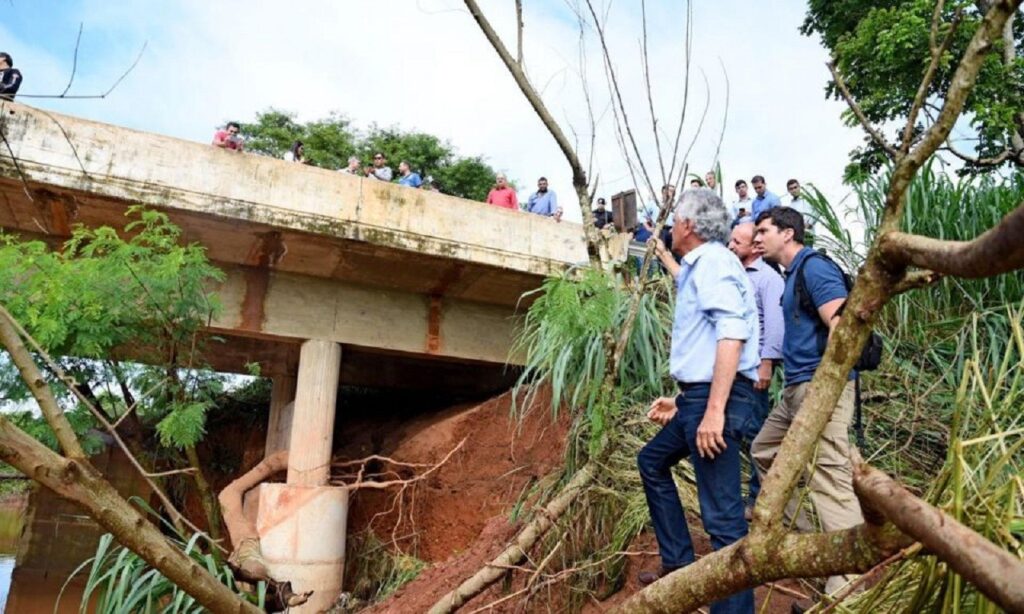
<point x="768" y="287"/>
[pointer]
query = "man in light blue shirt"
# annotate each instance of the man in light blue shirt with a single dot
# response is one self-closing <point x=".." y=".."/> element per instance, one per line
<point x="764" y="200"/>
<point x="406" y="177"/>
<point x="714" y="358"/>
<point x="544" y="201"/>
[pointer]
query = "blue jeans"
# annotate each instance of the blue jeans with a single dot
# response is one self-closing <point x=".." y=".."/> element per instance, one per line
<point x="718" y="481"/>
<point x="762" y="405"/>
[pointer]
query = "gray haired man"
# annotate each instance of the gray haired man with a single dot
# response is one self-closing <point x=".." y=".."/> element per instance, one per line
<point x="714" y="360"/>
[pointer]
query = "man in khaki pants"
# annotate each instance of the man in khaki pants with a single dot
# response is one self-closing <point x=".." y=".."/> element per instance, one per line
<point x="780" y="233"/>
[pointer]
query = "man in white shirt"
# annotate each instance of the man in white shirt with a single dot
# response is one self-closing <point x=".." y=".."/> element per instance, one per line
<point x="743" y="208"/>
<point x="800" y="204"/>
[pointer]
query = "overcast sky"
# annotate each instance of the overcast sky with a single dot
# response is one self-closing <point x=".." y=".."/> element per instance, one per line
<point x="424" y="65"/>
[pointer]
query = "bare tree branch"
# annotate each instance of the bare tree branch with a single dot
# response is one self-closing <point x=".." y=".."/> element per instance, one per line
<point x="687" y="56"/>
<point x="519" y="33"/>
<point x="109" y="90"/>
<point x="929" y="75"/>
<point x="613" y="83"/>
<point x="649" y="89"/>
<point x="74" y="61"/>
<point x="859" y="113"/>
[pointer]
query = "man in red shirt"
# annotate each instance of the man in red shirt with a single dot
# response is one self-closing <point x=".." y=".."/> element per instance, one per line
<point x="228" y="138"/>
<point x="503" y="195"/>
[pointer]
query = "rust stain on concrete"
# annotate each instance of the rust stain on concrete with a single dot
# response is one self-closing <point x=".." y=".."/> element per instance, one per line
<point x="434" y="325"/>
<point x="265" y="254"/>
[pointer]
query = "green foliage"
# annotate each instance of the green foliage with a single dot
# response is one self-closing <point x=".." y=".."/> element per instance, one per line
<point x="101" y="292"/>
<point x="564" y="335"/>
<point x="120" y="581"/>
<point x="329" y="142"/>
<point x="881" y="48"/>
<point x="82" y="422"/>
<point x="979" y="481"/>
<point x="374" y="571"/>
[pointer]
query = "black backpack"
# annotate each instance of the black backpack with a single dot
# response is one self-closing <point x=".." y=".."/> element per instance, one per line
<point x="871" y="354"/>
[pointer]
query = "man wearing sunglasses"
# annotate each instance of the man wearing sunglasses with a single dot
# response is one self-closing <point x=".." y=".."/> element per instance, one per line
<point x="379" y="170"/>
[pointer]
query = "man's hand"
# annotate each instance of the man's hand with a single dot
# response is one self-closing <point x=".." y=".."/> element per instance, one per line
<point x="764" y="375"/>
<point x="709" y="433"/>
<point x="662" y="411"/>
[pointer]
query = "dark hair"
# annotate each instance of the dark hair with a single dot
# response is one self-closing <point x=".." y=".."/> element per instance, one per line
<point x="7" y="58"/>
<point x="668" y="186"/>
<point x="295" y="147"/>
<point x="542" y="179"/>
<point x="740" y="182"/>
<point x="235" y="124"/>
<point x="757" y="179"/>
<point x="791" y="182"/>
<point x="785" y="218"/>
<point x="600" y="200"/>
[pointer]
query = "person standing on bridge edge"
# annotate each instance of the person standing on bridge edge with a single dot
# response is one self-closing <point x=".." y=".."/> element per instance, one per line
<point x="502" y="194"/>
<point x="10" y="77"/>
<point x="228" y="138"/>
<point x="379" y="170"/>
<point x="714" y="359"/>
<point x="406" y="177"/>
<point x="544" y="201"/>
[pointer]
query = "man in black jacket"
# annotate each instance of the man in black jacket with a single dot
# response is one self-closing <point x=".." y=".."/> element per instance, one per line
<point x="10" y="77"/>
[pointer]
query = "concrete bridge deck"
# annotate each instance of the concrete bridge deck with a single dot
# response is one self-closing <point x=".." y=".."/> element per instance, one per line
<point x="310" y="253"/>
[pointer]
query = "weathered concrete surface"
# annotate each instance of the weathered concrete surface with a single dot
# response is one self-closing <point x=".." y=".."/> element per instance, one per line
<point x="302" y="538"/>
<point x="311" y="253"/>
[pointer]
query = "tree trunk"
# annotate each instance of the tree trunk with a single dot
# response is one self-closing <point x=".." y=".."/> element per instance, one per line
<point x="78" y="481"/>
<point x="206" y="496"/>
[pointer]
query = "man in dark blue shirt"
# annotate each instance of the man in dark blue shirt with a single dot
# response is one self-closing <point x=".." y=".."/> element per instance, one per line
<point x="780" y="234"/>
<point x="10" y="77"/>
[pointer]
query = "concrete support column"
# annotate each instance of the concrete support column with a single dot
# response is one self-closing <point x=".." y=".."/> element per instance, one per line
<point x="282" y="406"/>
<point x="309" y="458"/>
<point x="302" y="523"/>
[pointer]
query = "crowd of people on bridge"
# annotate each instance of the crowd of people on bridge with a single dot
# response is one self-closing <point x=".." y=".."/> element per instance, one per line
<point x="737" y="320"/>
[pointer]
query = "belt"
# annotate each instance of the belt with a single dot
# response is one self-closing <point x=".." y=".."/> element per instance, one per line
<point x="684" y="386"/>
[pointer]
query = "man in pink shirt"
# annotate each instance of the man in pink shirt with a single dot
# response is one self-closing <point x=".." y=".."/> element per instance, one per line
<point x="503" y="195"/>
<point x="228" y="138"/>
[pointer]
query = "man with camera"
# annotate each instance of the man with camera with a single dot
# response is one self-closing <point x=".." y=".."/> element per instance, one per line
<point x="229" y="139"/>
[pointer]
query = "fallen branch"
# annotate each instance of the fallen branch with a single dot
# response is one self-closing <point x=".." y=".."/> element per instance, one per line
<point x="998" y="574"/>
<point x="516" y="552"/>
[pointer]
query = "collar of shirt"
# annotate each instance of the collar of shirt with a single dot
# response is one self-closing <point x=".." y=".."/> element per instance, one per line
<point x="693" y="255"/>
<point x="757" y="265"/>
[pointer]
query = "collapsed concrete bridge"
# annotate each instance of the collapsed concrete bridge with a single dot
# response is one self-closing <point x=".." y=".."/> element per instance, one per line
<point x="331" y="279"/>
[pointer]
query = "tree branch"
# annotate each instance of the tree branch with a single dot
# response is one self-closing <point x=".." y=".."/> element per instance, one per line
<point x="913" y="280"/>
<point x="929" y="74"/>
<point x="998" y="250"/>
<point x="873" y="132"/>
<point x="33" y="377"/>
<point x="997" y="573"/>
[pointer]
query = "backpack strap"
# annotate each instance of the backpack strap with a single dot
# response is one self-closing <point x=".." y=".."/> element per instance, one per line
<point x="803" y="295"/>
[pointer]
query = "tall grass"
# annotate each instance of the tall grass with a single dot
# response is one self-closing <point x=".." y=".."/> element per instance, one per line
<point x="980" y="483"/>
<point x="120" y="581"/>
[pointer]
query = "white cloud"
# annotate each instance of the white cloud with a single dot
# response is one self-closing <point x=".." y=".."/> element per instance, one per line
<point x="424" y="65"/>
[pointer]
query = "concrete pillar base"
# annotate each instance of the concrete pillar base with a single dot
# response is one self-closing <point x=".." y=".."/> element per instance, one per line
<point x="302" y="537"/>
